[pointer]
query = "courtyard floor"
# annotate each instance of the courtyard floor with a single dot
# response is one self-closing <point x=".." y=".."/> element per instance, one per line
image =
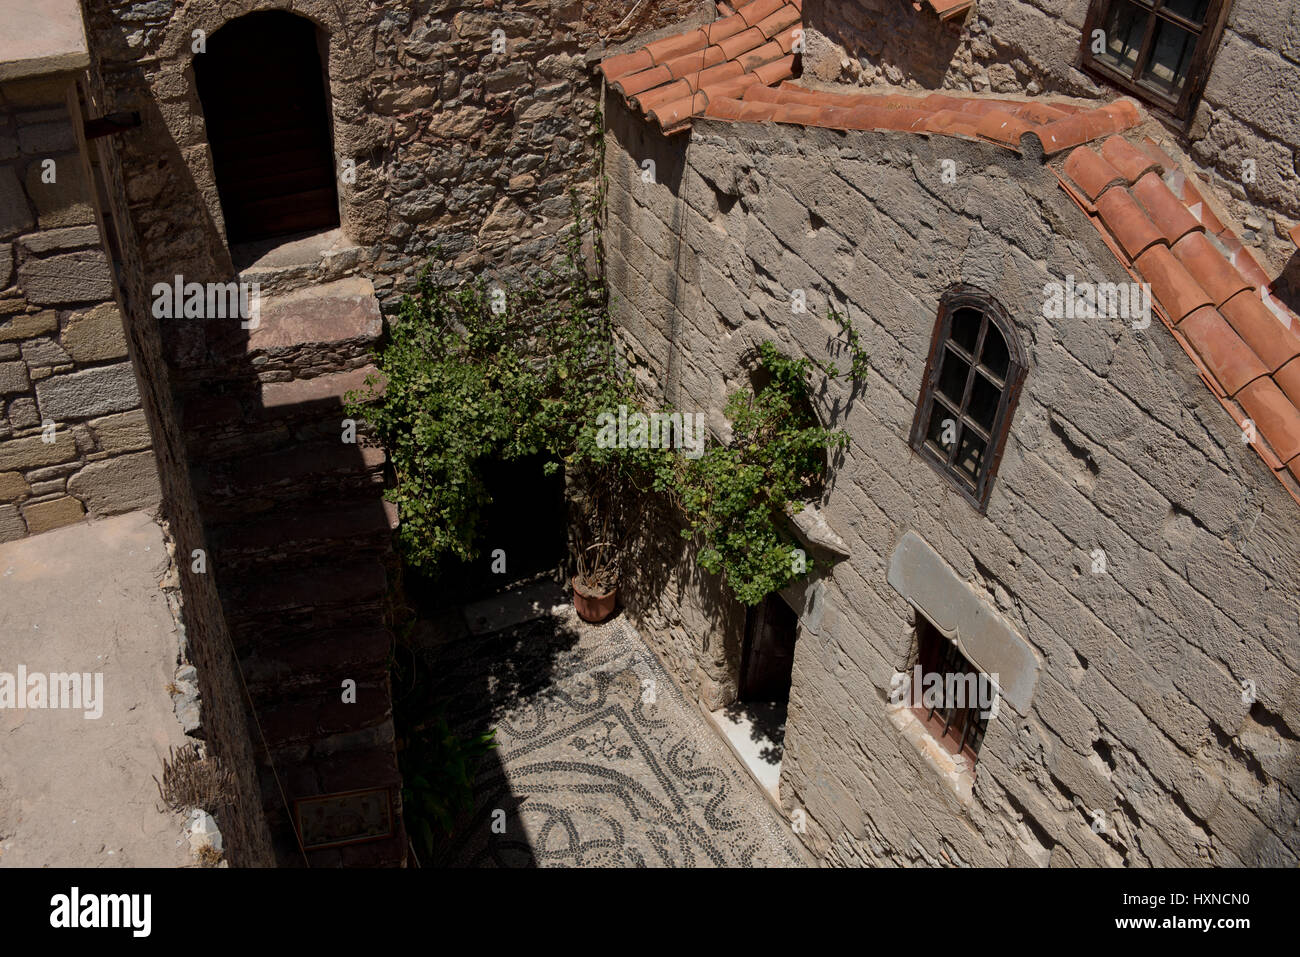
<point x="600" y="760"/>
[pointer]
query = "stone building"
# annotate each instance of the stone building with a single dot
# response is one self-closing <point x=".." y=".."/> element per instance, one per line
<point x="1107" y="529"/>
<point x="917" y="166"/>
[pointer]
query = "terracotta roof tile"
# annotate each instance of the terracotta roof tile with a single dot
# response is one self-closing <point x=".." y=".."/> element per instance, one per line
<point x="757" y="40"/>
<point x="1274" y="343"/>
<point x="1183" y="187"/>
<point x="1233" y="363"/>
<point x="1091" y="173"/>
<point x="1288" y="380"/>
<point x="1165" y="209"/>
<point x="947" y="9"/>
<point x="1209" y="267"/>
<point x="1248" y="348"/>
<point x="1295" y="235"/>
<point x="1127" y="222"/>
<point x="1275" y="417"/>
<point x="1171" y="285"/>
<point x="1126" y="159"/>
<point x="1087" y="126"/>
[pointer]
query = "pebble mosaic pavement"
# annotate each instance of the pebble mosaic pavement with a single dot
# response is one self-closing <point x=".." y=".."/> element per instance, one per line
<point x="589" y="771"/>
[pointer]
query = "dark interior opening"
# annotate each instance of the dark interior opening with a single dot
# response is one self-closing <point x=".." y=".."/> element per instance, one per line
<point x="527" y="519"/>
<point x="767" y="659"/>
<point x="263" y="92"/>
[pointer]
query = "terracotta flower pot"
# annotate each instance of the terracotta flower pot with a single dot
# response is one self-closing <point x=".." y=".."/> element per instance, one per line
<point x="594" y="608"/>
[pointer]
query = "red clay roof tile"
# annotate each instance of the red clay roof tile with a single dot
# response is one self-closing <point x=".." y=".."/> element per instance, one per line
<point x="1182" y="186"/>
<point x="1171" y="285"/>
<point x="948" y="9"/>
<point x="1162" y="159"/>
<point x="1274" y="343"/>
<point x="1165" y="209"/>
<point x="1126" y="159"/>
<point x="758" y="39"/>
<point x="1295" y="235"/>
<point x="1207" y="265"/>
<point x="1275" y="418"/>
<point x="1091" y="173"/>
<point x="1233" y="363"/>
<point x="1288" y="380"/>
<point x="1127" y="222"/>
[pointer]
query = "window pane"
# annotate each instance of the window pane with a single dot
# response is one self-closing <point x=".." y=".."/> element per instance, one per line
<point x="984" y="399"/>
<point x="1193" y="10"/>
<point x="1170" y="59"/>
<point x="966" y="328"/>
<point x="996" y="358"/>
<point x="970" y="455"/>
<point x="1125" y="29"/>
<point x="952" y="377"/>
<point x="943" y="425"/>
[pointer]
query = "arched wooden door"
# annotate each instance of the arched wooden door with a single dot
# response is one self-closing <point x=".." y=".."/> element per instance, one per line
<point x="263" y="93"/>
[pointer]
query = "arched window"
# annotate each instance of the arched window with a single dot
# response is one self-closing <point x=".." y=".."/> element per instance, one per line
<point x="264" y="101"/>
<point x="972" y="380"/>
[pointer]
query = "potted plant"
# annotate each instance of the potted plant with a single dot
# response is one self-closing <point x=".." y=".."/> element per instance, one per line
<point x="595" y="586"/>
<point x="599" y="546"/>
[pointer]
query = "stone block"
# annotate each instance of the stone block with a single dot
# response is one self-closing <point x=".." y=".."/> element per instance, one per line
<point x="13" y="378"/>
<point x="12" y="526"/>
<point x="66" y="279"/>
<point x="28" y="325"/>
<point x="23" y="414"/>
<point x="59" y="240"/>
<point x="12" y="486"/>
<point x="89" y="393"/>
<point x="6" y="265"/>
<point x="15" y="212"/>
<point x="44" y="516"/>
<point x="95" y="335"/>
<point x="41" y="139"/>
<point x="118" y="485"/>
<point x="125" y="432"/>
<point x="64" y="202"/>
<point x="44" y="352"/>
<point x="33" y="451"/>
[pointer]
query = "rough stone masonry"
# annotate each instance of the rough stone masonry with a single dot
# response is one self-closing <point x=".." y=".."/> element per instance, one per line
<point x="1137" y="717"/>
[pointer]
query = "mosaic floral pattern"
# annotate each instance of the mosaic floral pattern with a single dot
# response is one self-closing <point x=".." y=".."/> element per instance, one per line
<point x="601" y="762"/>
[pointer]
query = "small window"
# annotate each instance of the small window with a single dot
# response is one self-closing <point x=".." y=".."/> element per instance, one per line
<point x="957" y="718"/>
<point x="968" y="395"/>
<point x="1159" y="50"/>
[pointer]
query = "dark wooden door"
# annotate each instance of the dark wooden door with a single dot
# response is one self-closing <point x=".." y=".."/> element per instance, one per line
<point x="767" y="661"/>
<point x="263" y="94"/>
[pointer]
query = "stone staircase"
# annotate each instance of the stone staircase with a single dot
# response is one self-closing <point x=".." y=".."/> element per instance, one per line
<point x="301" y="541"/>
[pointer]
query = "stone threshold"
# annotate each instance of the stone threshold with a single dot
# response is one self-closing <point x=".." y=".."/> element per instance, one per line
<point x="725" y="728"/>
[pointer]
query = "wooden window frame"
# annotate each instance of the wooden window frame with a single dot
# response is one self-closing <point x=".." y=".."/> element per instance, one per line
<point x="955" y="299"/>
<point x="1198" y="71"/>
<point x="959" y="731"/>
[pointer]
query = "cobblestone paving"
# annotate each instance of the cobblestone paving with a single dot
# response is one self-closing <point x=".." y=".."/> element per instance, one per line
<point x="600" y="763"/>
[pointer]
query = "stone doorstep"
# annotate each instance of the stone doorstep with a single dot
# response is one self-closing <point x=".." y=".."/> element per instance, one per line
<point x="719" y="726"/>
<point x="341" y="648"/>
<point x="305" y="461"/>
<point x="326" y="313"/>
<point x="332" y="584"/>
<point x="279" y="397"/>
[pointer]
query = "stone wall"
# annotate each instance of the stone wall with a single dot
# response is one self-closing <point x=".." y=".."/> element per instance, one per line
<point x="457" y="148"/>
<point x="1250" y="109"/>
<point x="73" y="439"/>
<point x="192" y="590"/>
<point x="1136" y="711"/>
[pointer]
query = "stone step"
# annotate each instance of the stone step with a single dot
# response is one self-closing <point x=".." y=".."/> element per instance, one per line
<point x="365" y="525"/>
<point x="319" y="658"/>
<point x="352" y="584"/>
<point x="311" y="470"/>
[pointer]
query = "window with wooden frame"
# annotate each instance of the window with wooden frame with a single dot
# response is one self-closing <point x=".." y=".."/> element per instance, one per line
<point x="1159" y="50"/>
<point x="959" y="727"/>
<point x="972" y="380"/>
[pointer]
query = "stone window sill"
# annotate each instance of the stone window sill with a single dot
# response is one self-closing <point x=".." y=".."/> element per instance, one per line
<point x="955" y="771"/>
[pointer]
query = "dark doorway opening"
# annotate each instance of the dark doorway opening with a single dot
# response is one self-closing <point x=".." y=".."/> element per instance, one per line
<point x="526" y="520"/>
<point x="264" y="99"/>
<point x="767" y="659"/>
